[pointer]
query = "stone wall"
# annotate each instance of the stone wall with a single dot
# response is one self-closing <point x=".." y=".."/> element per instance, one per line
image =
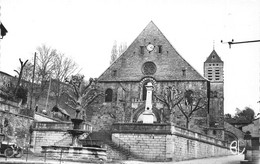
<point x="232" y="133"/>
<point x="167" y="142"/>
<point x="14" y="126"/>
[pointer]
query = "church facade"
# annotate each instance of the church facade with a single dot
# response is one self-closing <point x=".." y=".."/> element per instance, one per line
<point x="151" y="59"/>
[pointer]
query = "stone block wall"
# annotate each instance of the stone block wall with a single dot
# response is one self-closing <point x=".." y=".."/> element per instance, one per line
<point x="46" y="138"/>
<point x="174" y="144"/>
<point x="15" y="127"/>
<point x="146" y="146"/>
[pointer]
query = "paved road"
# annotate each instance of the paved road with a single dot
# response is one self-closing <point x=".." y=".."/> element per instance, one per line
<point x="234" y="159"/>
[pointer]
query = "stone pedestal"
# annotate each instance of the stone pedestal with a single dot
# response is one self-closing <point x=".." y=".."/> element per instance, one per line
<point x="148" y="115"/>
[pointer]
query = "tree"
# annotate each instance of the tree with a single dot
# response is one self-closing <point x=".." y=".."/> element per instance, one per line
<point x="63" y="67"/>
<point x="20" y="74"/>
<point x="16" y="92"/>
<point x="117" y="51"/>
<point x="83" y="94"/>
<point x="247" y="115"/>
<point x="192" y="102"/>
<point x="171" y="97"/>
<point x="50" y="64"/>
<point x="227" y="116"/>
<point x="188" y="102"/>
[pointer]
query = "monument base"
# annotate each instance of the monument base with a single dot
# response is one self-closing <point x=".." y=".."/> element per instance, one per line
<point x="148" y="117"/>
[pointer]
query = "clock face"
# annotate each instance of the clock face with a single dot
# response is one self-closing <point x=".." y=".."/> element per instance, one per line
<point x="150" y="47"/>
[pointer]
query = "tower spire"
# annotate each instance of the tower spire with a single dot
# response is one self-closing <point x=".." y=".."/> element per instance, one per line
<point x="213" y="44"/>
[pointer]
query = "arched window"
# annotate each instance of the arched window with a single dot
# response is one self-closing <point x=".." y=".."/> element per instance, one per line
<point x="108" y="95"/>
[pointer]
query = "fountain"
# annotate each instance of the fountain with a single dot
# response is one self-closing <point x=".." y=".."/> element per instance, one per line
<point x="76" y="151"/>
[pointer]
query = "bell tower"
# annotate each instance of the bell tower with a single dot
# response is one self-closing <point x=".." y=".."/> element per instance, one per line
<point x="213" y="71"/>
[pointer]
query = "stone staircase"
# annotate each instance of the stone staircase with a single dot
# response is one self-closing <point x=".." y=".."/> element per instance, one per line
<point x="116" y="149"/>
<point x="66" y="141"/>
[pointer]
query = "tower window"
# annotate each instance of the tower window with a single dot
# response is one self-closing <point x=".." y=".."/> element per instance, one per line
<point x="160" y="48"/>
<point x="108" y="95"/>
<point x="142" y="49"/>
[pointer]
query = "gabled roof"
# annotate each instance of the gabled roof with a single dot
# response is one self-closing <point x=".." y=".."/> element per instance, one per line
<point x="213" y="58"/>
<point x="169" y="63"/>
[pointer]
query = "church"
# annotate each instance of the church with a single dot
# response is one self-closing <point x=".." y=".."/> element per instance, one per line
<point x="134" y="83"/>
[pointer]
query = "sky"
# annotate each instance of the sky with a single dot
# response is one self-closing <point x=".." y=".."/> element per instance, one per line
<point x="85" y="30"/>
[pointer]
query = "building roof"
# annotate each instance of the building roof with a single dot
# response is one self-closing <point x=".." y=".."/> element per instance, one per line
<point x="169" y="64"/>
<point x="213" y="58"/>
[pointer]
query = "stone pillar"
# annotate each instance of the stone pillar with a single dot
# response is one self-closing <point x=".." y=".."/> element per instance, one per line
<point x="148" y="115"/>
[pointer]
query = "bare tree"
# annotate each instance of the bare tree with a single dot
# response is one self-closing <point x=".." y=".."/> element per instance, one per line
<point x="44" y="69"/>
<point x="188" y="102"/>
<point x="192" y="101"/>
<point x="117" y="51"/>
<point x="83" y="94"/>
<point x="63" y="67"/>
<point x="20" y="74"/>
<point x="28" y="72"/>
<point x="114" y="53"/>
<point x="171" y="97"/>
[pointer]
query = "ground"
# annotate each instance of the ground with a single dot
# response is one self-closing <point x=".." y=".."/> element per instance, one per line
<point x="234" y="159"/>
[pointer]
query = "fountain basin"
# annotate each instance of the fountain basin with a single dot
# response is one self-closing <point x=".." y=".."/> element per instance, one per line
<point x="74" y="153"/>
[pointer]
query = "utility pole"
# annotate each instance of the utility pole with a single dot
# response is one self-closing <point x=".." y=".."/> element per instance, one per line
<point x="242" y="42"/>
<point x="34" y="65"/>
<point x="232" y="42"/>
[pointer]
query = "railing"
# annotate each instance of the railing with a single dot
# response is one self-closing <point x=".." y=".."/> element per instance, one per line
<point x="141" y="128"/>
<point x="62" y="126"/>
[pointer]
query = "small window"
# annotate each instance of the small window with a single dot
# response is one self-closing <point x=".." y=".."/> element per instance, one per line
<point x="108" y="95"/>
<point x="183" y="72"/>
<point x="217" y="78"/>
<point x="210" y="78"/>
<point x="209" y="64"/>
<point x="209" y="73"/>
<point x="160" y="48"/>
<point x="213" y="64"/>
<point x="214" y="132"/>
<point x="210" y="70"/>
<point x="114" y="73"/>
<point x="142" y="49"/>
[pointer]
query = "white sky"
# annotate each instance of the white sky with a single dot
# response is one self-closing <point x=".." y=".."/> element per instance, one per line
<point x="85" y="30"/>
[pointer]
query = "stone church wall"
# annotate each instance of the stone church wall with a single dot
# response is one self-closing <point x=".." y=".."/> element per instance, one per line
<point x="127" y="104"/>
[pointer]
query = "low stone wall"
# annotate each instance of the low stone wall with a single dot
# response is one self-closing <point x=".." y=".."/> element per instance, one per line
<point x="84" y="154"/>
<point x="165" y="142"/>
<point x="50" y="133"/>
